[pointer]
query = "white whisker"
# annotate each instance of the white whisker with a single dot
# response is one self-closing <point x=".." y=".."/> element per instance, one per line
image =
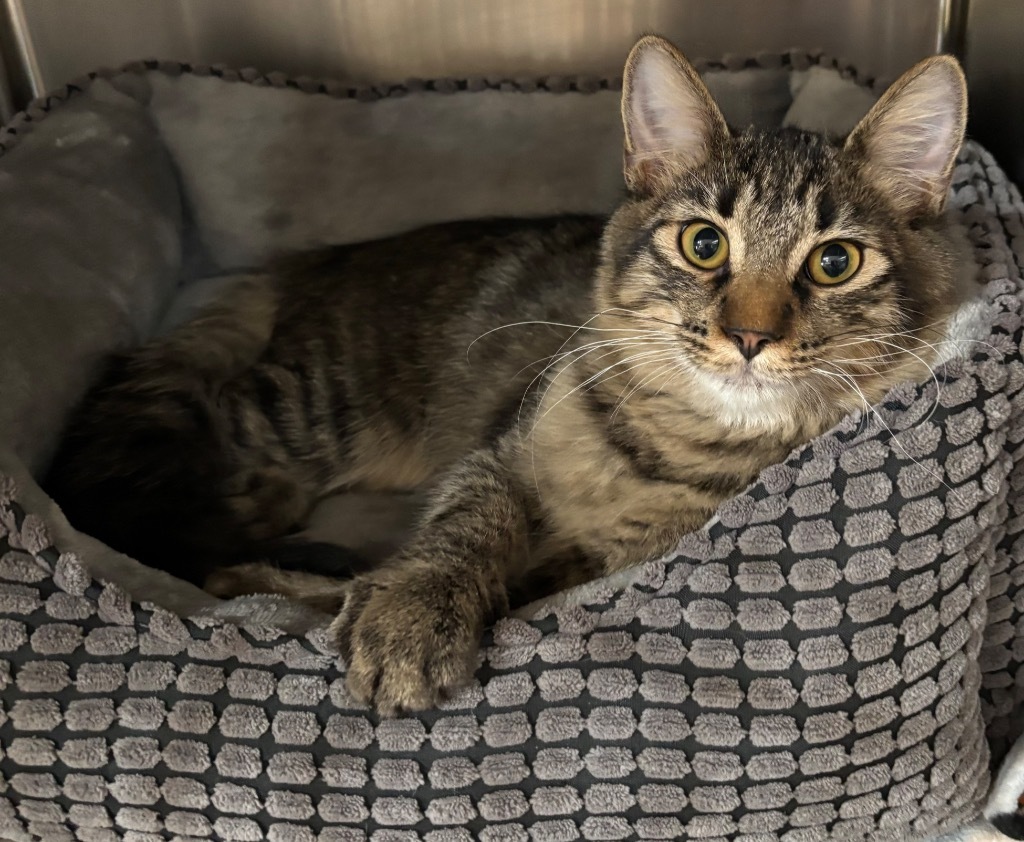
<point x="894" y="437"/>
<point x="580" y="353"/>
<point x="592" y="379"/>
<point x="576" y="328"/>
<point x="670" y="365"/>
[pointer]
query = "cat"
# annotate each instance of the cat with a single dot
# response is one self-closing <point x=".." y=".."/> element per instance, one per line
<point x="576" y="393"/>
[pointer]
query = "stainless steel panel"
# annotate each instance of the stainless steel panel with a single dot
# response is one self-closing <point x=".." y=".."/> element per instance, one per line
<point x="9" y="61"/>
<point x="994" y="60"/>
<point x="47" y="42"/>
<point x="389" y="40"/>
<point x="6" y="97"/>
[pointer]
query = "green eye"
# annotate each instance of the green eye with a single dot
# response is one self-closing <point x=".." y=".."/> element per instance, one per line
<point x="833" y="263"/>
<point x="704" y="245"/>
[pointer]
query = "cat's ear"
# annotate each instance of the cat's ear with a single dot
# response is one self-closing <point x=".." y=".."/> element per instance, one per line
<point x="668" y="115"/>
<point x="911" y="136"/>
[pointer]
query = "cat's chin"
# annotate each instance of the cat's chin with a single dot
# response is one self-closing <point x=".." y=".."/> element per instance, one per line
<point x="746" y="398"/>
<point x="748" y="379"/>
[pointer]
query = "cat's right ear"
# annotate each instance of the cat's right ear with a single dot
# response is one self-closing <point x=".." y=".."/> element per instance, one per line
<point x="668" y="115"/>
<point x="910" y="138"/>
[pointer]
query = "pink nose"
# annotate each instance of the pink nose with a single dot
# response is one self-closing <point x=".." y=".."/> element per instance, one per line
<point x="749" y="342"/>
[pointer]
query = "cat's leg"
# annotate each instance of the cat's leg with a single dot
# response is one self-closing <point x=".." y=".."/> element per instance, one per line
<point x="410" y="631"/>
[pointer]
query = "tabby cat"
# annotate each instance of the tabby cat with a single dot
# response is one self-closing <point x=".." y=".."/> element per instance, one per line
<point x="576" y="392"/>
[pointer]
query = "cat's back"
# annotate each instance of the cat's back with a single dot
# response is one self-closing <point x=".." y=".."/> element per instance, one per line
<point x="444" y="328"/>
<point x="442" y="313"/>
<point x="447" y="264"/>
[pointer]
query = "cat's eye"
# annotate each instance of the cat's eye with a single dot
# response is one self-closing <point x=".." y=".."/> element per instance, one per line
<point x="704" y="245"/>
<point x="833" y="263"/>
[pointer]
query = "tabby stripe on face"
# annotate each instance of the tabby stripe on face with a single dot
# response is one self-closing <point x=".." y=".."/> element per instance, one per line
<point x="826" y="211"/>
<point x="727" y="201"/>
<point x="639" y="246"/>
<point x="859" y="302"/>
<point x="672" y="275"/>
<point x="693" y="342"/>
<point x="812" y="177"/>
<point x="654" y="296"/>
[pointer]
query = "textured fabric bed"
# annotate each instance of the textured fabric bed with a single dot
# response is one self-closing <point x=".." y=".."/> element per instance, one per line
<point x="837" y="656"/>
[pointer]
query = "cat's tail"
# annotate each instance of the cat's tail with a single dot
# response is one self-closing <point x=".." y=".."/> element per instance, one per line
<point x="144" y="461"/>
<point x="315" y="573"/>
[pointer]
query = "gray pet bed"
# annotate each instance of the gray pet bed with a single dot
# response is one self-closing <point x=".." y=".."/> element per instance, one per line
<point x="823" y="661"/>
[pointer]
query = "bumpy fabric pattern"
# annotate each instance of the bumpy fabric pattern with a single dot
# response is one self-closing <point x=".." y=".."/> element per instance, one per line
<point x="820" y="663"/>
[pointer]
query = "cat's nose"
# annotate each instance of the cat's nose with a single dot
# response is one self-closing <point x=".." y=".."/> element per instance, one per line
<point x="750" y="342"/>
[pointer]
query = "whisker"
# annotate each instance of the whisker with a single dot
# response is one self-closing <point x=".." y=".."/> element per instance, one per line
<point x="670" y="365"/>
<point x="592" y="379"/>
<point x="900" y="350"/>
<point x="605" y="343"/>
<point x="868" y="338"/>
<point x="556" y="359"/>
<point x="636" y="314"/>
<point x="893" y="436"/>
<point x="580" y="352"/>
<point x="576" y="328"/>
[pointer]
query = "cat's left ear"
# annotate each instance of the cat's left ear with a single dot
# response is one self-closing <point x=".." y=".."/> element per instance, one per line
<point x="671" y="121"/>
<point x="910" y="138"/>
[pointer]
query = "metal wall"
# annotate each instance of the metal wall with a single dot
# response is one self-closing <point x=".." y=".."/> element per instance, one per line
<point x="994" y="53"/>
<point x="389" y="40"/>
<point x="6" y="95"/>
<point x="47" y="42"/>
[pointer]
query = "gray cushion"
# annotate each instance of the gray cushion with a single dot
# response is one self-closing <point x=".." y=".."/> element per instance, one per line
<point x="90" y="251"/>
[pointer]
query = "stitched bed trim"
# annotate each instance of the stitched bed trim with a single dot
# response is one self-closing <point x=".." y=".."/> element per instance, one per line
<point x="22" y="122"/>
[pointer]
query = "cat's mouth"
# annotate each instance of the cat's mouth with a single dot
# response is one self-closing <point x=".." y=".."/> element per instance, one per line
<point x="746" y="376"/>
<point x="740" y="372"/>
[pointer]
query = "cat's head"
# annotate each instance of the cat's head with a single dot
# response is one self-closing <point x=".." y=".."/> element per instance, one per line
<point x="781" y="269"/>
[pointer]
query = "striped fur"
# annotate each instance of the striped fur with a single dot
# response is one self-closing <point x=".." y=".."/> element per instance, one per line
<point x="565" y="387"/>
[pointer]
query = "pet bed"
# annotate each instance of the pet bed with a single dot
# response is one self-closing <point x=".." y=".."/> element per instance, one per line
<point x="838" y="655"/>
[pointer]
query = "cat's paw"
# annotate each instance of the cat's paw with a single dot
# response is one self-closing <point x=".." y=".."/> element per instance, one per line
<point x="409" y="639"/>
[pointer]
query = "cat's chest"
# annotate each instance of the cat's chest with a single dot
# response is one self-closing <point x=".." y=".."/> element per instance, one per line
<point x="617" y="517"/>
<point x="627" y="490"/>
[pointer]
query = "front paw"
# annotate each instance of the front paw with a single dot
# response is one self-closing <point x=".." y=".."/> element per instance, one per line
<point x="409" y="640"/>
